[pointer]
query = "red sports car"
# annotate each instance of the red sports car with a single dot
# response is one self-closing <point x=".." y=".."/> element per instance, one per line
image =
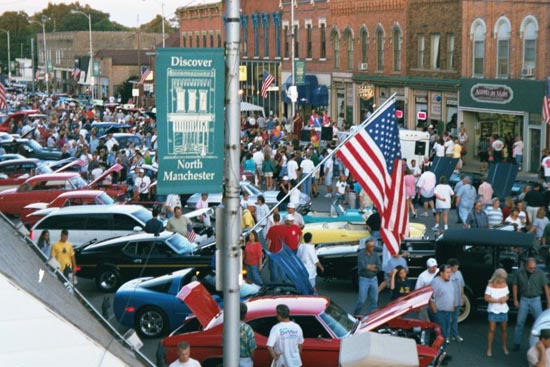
<point x="323" y="322"/>
<point x="45" y="188"/>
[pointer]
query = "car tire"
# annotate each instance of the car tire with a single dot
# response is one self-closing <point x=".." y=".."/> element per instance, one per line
<point x="108" y="279"/>
<point x="214" y="362"/>
<point x="151" y="322"/>
<point x="466" y="309"/>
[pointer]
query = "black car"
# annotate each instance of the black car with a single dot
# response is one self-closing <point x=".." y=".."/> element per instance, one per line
<point x="31" y="149"/>
<point x="116" y="260"/>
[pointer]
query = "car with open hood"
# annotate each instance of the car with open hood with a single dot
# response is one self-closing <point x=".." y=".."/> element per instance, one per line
<point x="323" y="322"/>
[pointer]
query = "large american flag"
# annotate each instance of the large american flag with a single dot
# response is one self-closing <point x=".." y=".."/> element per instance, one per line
<point x="3" y="100"/>
<point x="546" y="102"/>
<point x="373" y="156"/>
<point x="268" y="80"/>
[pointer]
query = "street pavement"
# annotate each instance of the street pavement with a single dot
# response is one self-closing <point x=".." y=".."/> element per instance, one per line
<point x="471" y="352"/>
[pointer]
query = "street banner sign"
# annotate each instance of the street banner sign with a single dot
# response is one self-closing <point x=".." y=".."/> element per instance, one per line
<point x="300" y="72"/>
<point x="190" y="97"/>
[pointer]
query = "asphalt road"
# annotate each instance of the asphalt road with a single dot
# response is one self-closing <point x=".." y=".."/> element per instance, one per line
<point x="471" y="352"/>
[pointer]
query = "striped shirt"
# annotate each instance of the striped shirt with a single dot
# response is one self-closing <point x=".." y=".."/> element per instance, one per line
<point x="494" y="216"/>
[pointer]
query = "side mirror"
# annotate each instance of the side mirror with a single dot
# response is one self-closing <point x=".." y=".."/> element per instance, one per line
<point x="138" y="229"/>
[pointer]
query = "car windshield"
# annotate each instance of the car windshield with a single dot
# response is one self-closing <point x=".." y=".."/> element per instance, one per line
<point x="339" y="321"/>
<point x="104" y="199"/>
<point x="77" y="182"/>
<point x="181" y="245"/>
<point x="143" y="215"/>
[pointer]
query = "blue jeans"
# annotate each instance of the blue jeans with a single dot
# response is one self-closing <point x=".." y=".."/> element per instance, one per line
<point x="443" y="318"/>
<point x="526" y="305"/>
<point x="454" y="322"/>
<point x="253" y="274"/>
<point x="368" y="291"/>
<point x="519" y="159"/>
<point x="306" y="186"/>
<point x="274" y="276"/>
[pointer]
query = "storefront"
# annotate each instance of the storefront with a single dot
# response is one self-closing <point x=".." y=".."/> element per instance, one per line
<point x="507" y="108"/>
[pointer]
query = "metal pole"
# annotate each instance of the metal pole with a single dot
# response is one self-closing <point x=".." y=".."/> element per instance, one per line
<point x="32" y="63"/>
<point x="91" y="54"/>
<point x="163" y="34"/>
<point x="292" y="45"/>
<point x="231" y="254"/>
<point x="9" y="57"/>
<point x="45" y="56"/>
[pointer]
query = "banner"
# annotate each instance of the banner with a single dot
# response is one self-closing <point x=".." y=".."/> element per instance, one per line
<point x="190" y="98"/>
<point x="300" y="72"/>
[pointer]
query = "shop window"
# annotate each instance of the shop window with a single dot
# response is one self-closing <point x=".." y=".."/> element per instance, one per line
<point x="450" y="51"/>
<point x="477" y="34"/>
<point x="323" y="31"/>
<point x="265" y="26"/>
<point x="502" y="32"/>
<point x="255" y="23"/>
<point x="336" y="47"/>
<point x="244" y="37"/>
<point x="435" y="55"/>
<point x="348" y="36"/>
<point x="309" y="41"/>
<point x="421" y="51"/>
<point x="277" y="25"/>
<point x="364" y="37"/>
<point x="529" y="30"/>
<point x="396" y="39"/>
<point x="379" y="49"/>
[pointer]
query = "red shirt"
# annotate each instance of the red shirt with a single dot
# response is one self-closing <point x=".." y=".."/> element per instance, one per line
<point x="275" y="234"/>
<point x="253" y="253"/>
<point x="292" y="236"/>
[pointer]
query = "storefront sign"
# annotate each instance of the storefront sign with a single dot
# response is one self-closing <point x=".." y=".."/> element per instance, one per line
<point x="493" y="93"/>
<point x="300" y="72"/>
<point x="190" y="119"/>
<point x="419" y="99"/>
<point x="366" y="91"/>
<point x="242" y="73"/>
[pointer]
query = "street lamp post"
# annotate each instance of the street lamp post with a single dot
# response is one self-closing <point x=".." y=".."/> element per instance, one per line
<point x="91" y="68"/>
<point x="9" y="55"/>
<point x="43" y="23"/>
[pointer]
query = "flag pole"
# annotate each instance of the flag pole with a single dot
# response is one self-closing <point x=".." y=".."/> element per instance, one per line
<point x="370" y="118"/>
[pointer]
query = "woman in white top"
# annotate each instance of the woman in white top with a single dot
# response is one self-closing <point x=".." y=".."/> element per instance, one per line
<point x="514" y="218"/>
<point x="439" y="148"/>
<point x="540" y="222"/>
<point x="496" y="295"/>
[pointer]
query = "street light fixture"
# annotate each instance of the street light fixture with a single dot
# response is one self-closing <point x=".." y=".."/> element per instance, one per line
<point x="9" y="55"/>
<point x="163" y="20"/>
<point x="91" y="68"/>
<point x="43" y="23"/>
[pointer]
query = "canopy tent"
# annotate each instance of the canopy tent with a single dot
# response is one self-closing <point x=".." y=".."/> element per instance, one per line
<point x="249" y="107"/>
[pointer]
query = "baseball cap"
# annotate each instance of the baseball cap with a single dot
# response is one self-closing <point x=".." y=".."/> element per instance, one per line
<point x="289" y="217"/>
<point x="285" y="178"/>
<point x="291" y="206"/>
<point x="141" y="170"/>
<point x="431" y="262"/>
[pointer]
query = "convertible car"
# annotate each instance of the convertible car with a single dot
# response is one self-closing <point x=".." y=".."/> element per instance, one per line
<point x="323" y="322"/>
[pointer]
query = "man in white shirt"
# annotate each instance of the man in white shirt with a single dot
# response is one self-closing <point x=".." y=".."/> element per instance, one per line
<point x="308" y="256"/>
<point x="110" y="141"/>
<point x="141" y="186"/>
<point x="184" y="359"/>
<point x="449" y="145"/>
<point x="426" y="184"/>
<point x="292" y="167"/>
<point x="423" y="280"/>
<point x="285" y="340"/>
<point x="329" y="169"/>
<point x="307" y="167"/>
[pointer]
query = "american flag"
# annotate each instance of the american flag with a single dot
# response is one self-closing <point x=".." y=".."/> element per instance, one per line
<point x="144" y="75"/>
<point x="3" y="100"/>
<point x="268" y="80"/>
<point x="373" y="156"/>
<point x="191" y="235"/>
<point x="76" y="73"/>
<point x="546" y="102"/>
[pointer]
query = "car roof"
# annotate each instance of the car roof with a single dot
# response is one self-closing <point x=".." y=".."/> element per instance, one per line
<point x="298" y="305"/>
<point x="486" y="237"/>
<point x="53" y="176"/>
<point x="93" y="209"/>
<point x="19" y="161"/>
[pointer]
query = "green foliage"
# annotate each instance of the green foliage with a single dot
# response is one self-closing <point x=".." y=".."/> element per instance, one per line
<point x="125" y="90"/>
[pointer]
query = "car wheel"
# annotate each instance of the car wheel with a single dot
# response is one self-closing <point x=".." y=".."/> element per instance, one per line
<point x="214" y="362"/>
<point x="465" y="309"/>
<point x="108" y="280"/>
<point x="151" y="322"/>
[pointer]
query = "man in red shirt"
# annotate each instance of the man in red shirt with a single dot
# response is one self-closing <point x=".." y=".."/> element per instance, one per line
<point x="274" y="244"/>
<point x="292" y="234"/>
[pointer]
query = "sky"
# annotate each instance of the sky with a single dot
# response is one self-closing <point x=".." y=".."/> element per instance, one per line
<point x="125" y="12"/>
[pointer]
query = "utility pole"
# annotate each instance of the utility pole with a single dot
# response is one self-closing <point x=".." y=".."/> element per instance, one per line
<point x="231" y="253"/>
<point x="91" y="66"/>
<point x="32" y="62"/>
<point x="292" y="46"/>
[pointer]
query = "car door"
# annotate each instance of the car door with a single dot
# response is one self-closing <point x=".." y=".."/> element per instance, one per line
<point x="124" y="224"/>
<point x="320" y="348"/>
<point x="133" y="258"/>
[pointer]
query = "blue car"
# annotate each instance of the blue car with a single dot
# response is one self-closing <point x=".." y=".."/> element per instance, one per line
<point x="337" y="213"/>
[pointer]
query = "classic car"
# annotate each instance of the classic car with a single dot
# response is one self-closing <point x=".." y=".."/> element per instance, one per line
<point x="475" y="178"/>
<point x="14" y="118"/>
<point x="144" y="254"/>
<point x="323" y="323"/>
<point x="31" y="149"/>
<point x="33" y="212"/>
<point x="270" y="197"/>
<point x="14" y="172"/>
<point x="150" y="306"/>
<point x="47" y="187"/>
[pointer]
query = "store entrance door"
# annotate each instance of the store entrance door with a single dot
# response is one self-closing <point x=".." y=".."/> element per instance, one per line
<point x="534" y="149"/>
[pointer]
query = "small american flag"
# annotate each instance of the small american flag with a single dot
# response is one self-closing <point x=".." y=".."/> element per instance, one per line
<point x="3" y="100"/>
<point x="191" y="235"/>
<point x="546" y="102"/>
<point x="144" y="75"/>
<point x="76" y="73"/>
<point x="373" y="156"/>
<point x="268" y="80"/>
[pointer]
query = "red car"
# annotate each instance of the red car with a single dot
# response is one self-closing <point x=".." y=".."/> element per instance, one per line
<point x="45" y="188"/>
<point x="15" y="117"/>
<point x="16" y="171"/>
<point x="323" y="323"/>
<point x="32" y="213"/>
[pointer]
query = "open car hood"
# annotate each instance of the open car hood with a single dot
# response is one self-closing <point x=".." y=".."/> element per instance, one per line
<point x="411" y="302"/>
<point x="115" y="168"/>
<point x="76" y="162"/>
<point x="200" y="302"/>
<point x="291" y="269"/>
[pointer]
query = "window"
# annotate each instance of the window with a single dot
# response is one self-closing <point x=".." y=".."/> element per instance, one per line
<point x="56" y="222"/>
<point x="198" y="37"/>
<point x="529" y="30"/>
<point x="265" y="26"/>
<point x="477" y="33"/>
<point x="396" y="39"/>
<point x="380" y="49"/>
<point x="190" y="40"/>
<point x="204" y="44"/>
<point x="335" y="38"/>
<point x="99" y="222"/>
<point x="435" y="58"/>
<point x="323" y="31"/>
<point x="364" y="36"/>
<point x="184" y="38"/>
<point x="287" y="42"/>
<point x="311" y="327"/>
<point x="309" y="42"/>
<point x="348" y="36"/>
<point x="296" y="42"/>
<point x="255" y="24"/>
<point x="450" y="51"/>
<point x="277" y="25"/>
<point x="211" y="39"/>
<point x="123" y="222"/>
<point x="502" y="31"/>
<point x="219" y="35"/>
<point x="421" y="51"/>
<point x="263" y="325"/>
<point x="244" y="38"/>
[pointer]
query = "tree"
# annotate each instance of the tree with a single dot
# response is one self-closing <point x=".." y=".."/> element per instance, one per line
<point x="125" y="90"/>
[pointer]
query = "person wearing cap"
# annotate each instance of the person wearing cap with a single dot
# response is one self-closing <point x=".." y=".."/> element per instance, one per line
<point x="368" y="265"/>
<point x="423" y="280"/>
<point x="539" y="354"/>
<point x="248" y="220"/>
<point x="141" y="185"/>
<point x="292" y="234"/>
<point x="298" y="219"/>
<point x="284" y="188"/>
